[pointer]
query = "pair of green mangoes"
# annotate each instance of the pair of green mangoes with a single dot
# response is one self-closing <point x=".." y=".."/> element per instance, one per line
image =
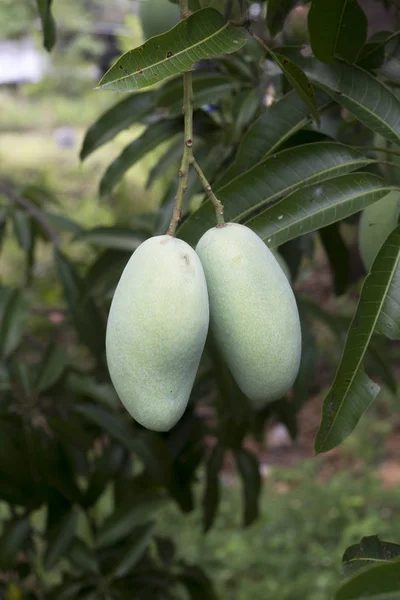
<point x="160" y="315"/>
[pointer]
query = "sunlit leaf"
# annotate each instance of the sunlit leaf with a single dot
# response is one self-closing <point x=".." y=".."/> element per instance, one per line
<point x="202" y="35"/>
<point x="379" y="582"/>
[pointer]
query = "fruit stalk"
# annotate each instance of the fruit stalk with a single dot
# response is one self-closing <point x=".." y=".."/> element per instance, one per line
<point x="187" y="157"/>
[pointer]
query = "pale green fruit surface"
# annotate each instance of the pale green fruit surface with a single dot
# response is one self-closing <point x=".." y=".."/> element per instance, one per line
<point x="377" y="221"/>
<point x="157" y="16"/>
<point x="156" y="331"/>
<point x="253" y="312"/>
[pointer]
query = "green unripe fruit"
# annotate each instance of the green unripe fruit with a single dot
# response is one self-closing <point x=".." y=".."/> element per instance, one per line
<point x="157" y="16"/>
<point x="253" y="311"/>
<point x="377" y="221"/>
<point x="156" y="331"/>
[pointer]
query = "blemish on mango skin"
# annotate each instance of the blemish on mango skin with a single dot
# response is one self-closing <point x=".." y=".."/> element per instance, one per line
<point x="186" y="259"/>
<point x="236" y="260"/>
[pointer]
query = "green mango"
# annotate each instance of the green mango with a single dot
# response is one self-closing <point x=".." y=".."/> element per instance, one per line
<point x="157" y="16"/>
<point x="377" y="221"/>
<point x="253" y="311"/>
<point x="156" y="331"/>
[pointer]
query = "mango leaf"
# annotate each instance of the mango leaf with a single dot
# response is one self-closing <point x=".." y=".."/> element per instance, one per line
<point x="152" y="137"/>
<point x="316" y="206"/>
<point x="117" y="238"/>
<point x="277" y="11"/>
<point x="105" y="272"/>
<point x="60" y="539"/>
<point x="124" y="519"/>
<point x="197" y="583"/>
<point x="365" y="97"/>
<point x="23" y="229"/>
<point x="134" y="550"/>
<point x="379" y="582"/>
<point x="117" y="118"/>
<point x="48" y="23"/>
<point x="52" y="367"/>
<point x="379" y="363"/>
<point x="247" y="465"/>
<point x="211" y="490"/>
<point x="307" y="370"/>
<point x="148" y="446"/>
<point x="280" y="121"/>
<point x="208" y="88"/>
<point x="299" y="80"/>
<point x="171" y="157"/>
<point x="276" y="176"/>
<point x="13" y="316"/>
<point x="85" y="385"/>
<point x="338" y="256"/>
<point x="87" y="318"/>
<point x="337" y="28"/>
<point x="369" y="551"/>
<point x="14" y="539"/>
<point x="82" y="556"/>
<point x="202" y="35"/>
<point x="105" y="469"/>
<point x="378" y="311"/>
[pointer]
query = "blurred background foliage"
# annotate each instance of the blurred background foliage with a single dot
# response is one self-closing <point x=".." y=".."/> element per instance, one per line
<point x="93" y="505"/>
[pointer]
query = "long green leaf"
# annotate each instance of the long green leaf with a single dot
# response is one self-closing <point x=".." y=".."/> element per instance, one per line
<point x="247" y="465"/>
<point x="316" y="206"/>
<point x="337" y="28"/>
<point x="13" y="316"/>
<point x="208" y="88"/>
<point x="120" y="116"/>
<point x="134" y="551"/>
<point x="378" y="311"/>
<point x="117" y="238"/>
<point x="60" y="539"/>
<point x="364" y="96"/>
<point x="14" y="538"/>
<point x="270" y="130"/>
<point x="368" y="552"/>
<point x="338" y="256"/>
<point x="211" y="489"/>
<point x="379" y="582"/>
<point x="299" y="80"/>
<point x="202" y="35"/>
<point x="120" y="524"/>
<point x="276" y="176"/>
<point x="48" y="23"/>
<point x="153" y="136"/>
<point x="52" y="366"/>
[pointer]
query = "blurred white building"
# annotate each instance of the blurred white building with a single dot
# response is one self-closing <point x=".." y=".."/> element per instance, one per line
<point x="21" y="62"/>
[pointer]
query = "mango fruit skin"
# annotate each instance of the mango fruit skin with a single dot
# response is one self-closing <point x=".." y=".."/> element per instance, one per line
<point x="253" y="311"/>
<point x="377" y="221"/>
<point x="156" y="331"/>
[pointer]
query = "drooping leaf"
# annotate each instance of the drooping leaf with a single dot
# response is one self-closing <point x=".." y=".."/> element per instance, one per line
<point x="48" y="23"/>
<point x="299" y="80"/>
<point x="364" y="96"/>
<point x="60" y="539"/>
<point x="105" y="469"/>
<point x="202" y="35"/>
<point x="316" y="206"/>
<point x="170" y="158"/>
<point x="117" y="118"/>
<point x="337" y="28"/>
<point x="277" y="11"/>
<point x="117" y="238"/>
<point x="280" y="121"/>
<point x="274" y="177"/>
<point x="208" y="88"/>
<point x="134" y="550"/>
<point x="152" y="137"/>
<point x="378" y="311"/>
<point x="85" y="384"/>
<point x="379" y="363"/>
<point x="82" y="556"/>
<point x="52" y="366"/>
<point x="105" y="272"/>
<point x="211" y="490"/>
<point x="379" y="582"/>
<point x="121" y="523"/>
<point x="148" y="446"/>
<point x="13" y="316"/>
<point x="369" y="551"/>
<point x="23" y="229"/>
<point x="338" y="256"/>
<point x="309" y="353"/>
<point x="14" y="538"/>
<point x="88" y="320"/>
<point x="247" y="465"/>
